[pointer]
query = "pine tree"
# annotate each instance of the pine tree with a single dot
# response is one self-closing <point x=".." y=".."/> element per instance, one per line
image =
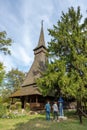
<point x="67" y="69"/>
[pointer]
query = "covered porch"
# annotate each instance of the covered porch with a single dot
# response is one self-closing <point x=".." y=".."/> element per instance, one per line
<point x="30" y="95"/>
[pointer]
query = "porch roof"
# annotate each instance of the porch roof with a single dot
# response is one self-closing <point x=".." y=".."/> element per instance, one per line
<point x="24" y="91"/>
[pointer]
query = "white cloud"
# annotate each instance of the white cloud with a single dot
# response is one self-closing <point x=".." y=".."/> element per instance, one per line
<point x="21" y="55"/>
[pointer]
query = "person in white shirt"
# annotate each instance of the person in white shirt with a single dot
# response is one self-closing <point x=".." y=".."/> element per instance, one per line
<point x="55" y="111"/>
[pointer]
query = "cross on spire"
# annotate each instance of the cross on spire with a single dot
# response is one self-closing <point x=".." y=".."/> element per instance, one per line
<point x="41" y="41"/>
<point x="42" y="23"/>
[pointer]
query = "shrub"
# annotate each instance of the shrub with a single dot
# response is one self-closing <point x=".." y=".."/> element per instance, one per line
<point x="3" y="110"/>
<point x="7" y="105"/>
<point x="18" y="105"/>
<point x="27" y="107"/>
<point x="13" y="107"/>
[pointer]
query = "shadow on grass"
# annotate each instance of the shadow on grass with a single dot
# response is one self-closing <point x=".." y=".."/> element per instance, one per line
<point x="36" y="123"/>
<point x="71" y="114"/>
<point x="39" y="123"/>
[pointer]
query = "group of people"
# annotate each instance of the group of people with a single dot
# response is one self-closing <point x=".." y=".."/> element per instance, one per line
<point x="57" y="110"/>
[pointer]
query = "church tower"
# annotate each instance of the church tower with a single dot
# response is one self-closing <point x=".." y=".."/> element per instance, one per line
<point x="39" y="61"/>
<point x="29" y="91"/>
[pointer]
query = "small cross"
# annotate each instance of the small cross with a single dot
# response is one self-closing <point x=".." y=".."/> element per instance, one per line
<point x="42" y="23"/>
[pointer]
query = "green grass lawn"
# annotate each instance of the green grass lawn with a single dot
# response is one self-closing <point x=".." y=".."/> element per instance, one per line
<point x="38" y="122"/>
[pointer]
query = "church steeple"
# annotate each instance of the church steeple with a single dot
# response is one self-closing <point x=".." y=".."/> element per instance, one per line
<point x="37" y="67"/>
<point x="41" y="42"/>
<point x="40" y="59"/>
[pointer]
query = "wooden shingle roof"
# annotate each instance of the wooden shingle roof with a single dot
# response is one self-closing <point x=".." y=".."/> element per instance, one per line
<point x="40" y="59"/>
<point x="26" y="91"/>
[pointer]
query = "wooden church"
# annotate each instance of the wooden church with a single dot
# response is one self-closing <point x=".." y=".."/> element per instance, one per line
<point x="29" y="92"/>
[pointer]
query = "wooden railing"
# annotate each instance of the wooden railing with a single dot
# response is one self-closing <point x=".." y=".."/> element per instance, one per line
<point x="36" y="106"/>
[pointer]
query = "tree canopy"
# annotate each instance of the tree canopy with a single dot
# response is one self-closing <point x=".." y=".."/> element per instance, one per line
<point x="2" y="72"/>
<point x="14" y="79"/>
<point x="12" y="82"/>
<point x="5" y="43"/>
<point x="4" y="48"/>
<point x="67" y="70"/>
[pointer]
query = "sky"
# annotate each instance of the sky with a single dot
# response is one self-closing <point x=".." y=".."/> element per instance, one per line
<point x="21" y="19"/>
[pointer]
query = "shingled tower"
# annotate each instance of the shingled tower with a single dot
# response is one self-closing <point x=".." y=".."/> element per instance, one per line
<point x="29" y="91"/>
<point x="39" y="61"/>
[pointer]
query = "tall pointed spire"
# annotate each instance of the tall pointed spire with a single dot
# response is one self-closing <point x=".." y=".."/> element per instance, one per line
<point x="41" y="41"/>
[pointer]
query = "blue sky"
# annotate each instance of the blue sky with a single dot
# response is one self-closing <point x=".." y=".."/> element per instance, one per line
<point x="21" y="19"/>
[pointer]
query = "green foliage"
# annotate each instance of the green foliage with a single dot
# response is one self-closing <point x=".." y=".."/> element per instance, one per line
<point x="13" y="115"/>
<point x="38" y="122"/>
<point x="27" y="107"/>
<point x="5" y="94"/>
<point x="67" y="69"/>
<point x="15" y="79"/>
<point x="12" y="82"/>
<point x="0" y="99"/>
<point x="3" y="110"/>
<point x="13" y="107"/>
<point x="2" y="73"/>
<point x="5" y="43"/>
<point x="18" y="105"/>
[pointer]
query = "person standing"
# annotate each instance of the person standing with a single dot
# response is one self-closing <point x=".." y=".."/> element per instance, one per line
<point x="60" y="101"/>
<point x="47" y="108"/>
<point x="55" y="111"/>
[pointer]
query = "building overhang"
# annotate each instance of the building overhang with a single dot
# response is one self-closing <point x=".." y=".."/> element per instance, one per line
<point x="26" y="91"/>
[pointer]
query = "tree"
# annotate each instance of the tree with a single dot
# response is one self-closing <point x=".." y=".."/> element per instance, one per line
<point x="12" y="82"/>
<point x="5" y="43"/>
<point x="2" y="72"/>
<point x="67" y="69"/>
<point x="14" y="79"/>
<point x="5" y="94"/>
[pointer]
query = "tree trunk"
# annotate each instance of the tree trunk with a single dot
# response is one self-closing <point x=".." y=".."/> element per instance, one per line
<point x="80" y="118"/>
<point x="78" y="111"/>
